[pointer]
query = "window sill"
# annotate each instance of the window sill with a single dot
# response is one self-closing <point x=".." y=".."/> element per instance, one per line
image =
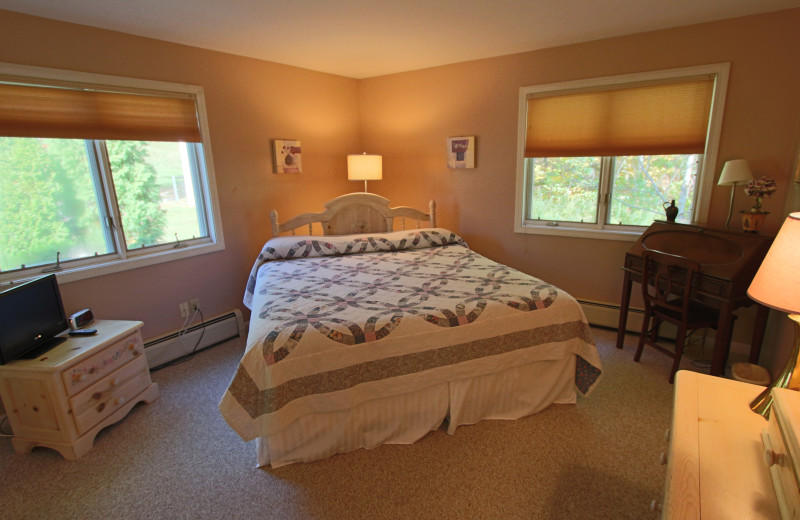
<point x="115" y="265"/>
<point x="622" y="235"/>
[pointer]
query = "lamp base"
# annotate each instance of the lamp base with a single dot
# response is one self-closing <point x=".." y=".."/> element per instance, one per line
<point x="730" y="208"/>
<point x="762" y="404"/>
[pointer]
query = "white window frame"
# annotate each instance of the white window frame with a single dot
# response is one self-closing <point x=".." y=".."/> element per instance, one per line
<point x="122" y="259"/>
<point x="706" y="172"/>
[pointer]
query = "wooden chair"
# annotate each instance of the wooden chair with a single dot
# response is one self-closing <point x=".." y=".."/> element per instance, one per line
<point x="666" y="288"/>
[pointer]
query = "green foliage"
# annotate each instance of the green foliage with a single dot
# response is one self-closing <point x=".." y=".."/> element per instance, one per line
<point x="137" y="192"/>
<point x="32" y="227"/>
<point x="49" y="203"/>
<point x="567" y="188"/>
<point x="642" y="184"/>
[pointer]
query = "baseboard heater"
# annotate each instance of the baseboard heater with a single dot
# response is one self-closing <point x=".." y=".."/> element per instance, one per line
<point x="168" y="347"/>
<point x="607" y="315"/>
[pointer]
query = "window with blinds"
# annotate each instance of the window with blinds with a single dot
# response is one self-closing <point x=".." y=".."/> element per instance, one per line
<point x="607" y="154"/>
<point x="100" y="173"/>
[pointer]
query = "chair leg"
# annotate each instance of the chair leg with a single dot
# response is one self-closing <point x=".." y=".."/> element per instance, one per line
<point x="680" y="339"/>
<point x="642" y="336"/>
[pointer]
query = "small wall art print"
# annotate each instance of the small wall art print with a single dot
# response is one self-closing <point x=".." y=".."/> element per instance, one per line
<point x="461" y="152"/>
<point x="287" y="156"/>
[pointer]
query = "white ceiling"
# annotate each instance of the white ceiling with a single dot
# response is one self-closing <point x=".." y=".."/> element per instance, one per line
<point x="364" y="38"/>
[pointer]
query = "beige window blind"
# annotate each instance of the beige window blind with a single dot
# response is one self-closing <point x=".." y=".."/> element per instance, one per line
<point x="652" y="119"/>
<point x="34" y="111"/>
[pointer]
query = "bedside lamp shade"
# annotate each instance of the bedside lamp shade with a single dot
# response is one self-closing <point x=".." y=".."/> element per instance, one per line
<point x="777" y="282"/>
<point x="734" y="172"/>
<point x="777" y="285"/>
<point x="364" y="167"/>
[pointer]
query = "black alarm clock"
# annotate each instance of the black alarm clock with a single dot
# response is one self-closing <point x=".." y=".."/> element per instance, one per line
<point x="81" y="319"/>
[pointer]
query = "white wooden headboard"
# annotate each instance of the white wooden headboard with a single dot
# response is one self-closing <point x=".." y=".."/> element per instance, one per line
<point x="355" y="213"/>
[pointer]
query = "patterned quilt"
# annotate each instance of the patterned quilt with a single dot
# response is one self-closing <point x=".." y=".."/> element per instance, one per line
<point x="339" y="320"/>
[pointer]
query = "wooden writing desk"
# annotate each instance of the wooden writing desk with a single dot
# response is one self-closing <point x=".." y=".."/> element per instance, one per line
<point x="728" y="260"/>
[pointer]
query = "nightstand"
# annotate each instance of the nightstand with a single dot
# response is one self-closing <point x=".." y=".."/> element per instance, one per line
<point x="782" y="450"/>
<point x="715" y="463"/>
<point x="63" y="398"/>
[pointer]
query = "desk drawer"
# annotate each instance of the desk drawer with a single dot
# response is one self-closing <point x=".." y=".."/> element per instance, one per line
<point x="91" y="370"/>
<point x="106" y="396"/>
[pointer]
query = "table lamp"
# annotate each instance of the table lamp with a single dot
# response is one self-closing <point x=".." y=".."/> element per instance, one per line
<point x="777" y="285"/>
<point x="364" y="167"/>
<point x="734" y="172"/>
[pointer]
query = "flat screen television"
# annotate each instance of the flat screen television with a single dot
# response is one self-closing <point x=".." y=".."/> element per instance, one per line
<point x="31" y="318"/>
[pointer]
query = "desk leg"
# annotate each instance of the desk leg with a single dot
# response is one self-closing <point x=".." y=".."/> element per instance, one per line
<point x="623" y="309"/>
<point x="722" y="344"/>
<point x="758" y="333"/>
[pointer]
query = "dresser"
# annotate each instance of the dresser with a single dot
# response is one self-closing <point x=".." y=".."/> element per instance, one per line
<point x="715" y="460"/>
<point x="64" y="397"/>
<point x="782" y="450"/>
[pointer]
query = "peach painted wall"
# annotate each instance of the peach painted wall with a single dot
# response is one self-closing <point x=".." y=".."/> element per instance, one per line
<point x="408" y="116"/>
<point x="249" y="102"/>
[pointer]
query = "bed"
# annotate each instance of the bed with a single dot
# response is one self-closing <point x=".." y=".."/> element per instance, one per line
<point x="367" y="334"/>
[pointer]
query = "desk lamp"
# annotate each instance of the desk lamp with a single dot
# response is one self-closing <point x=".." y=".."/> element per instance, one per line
<point x="364" y="167"/>
<point x="777" y="285"/>
<point x="734" y="172"/>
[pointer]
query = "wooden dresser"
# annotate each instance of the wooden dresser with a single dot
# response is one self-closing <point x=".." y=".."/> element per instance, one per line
<point x="63" y="398"/>
<point x="715" y="462"/>
<point x="782" y="450"/>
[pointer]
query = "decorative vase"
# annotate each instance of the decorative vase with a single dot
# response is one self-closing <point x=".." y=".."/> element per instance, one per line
<point x="752" y="221"/>
<point x="671" y="210"/>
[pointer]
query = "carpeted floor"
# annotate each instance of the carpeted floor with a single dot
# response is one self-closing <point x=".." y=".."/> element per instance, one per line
<point x="176" y="458"/>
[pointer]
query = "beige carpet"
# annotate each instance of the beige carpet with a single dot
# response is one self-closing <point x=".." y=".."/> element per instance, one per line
<point x="176" y="458"/>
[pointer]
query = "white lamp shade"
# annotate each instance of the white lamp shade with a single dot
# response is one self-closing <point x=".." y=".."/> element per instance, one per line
<point x="777" y="282"/>
<point x="364" y="167"/>
<point x="734" y="172"/>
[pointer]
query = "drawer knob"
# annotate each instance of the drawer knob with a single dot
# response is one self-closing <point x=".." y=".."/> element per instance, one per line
<point x="82" y="377"/>
<point x="655" y="506"/>
<point x="662" y="459"/>
<point x="772" y="458"/>
<point x="119" y="400"/>
<point x="666" y="435"/>
<point x="113" y="381"/>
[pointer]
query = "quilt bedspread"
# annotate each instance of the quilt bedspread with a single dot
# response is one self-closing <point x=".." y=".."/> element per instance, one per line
<point x="340" y="320"/>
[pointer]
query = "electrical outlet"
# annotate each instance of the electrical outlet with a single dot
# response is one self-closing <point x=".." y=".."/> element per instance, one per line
<point x="194" y="304"/>
<point x="184" y="308"/>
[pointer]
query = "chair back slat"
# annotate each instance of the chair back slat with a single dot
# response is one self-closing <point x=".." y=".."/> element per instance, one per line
<point x="667" y="281"/>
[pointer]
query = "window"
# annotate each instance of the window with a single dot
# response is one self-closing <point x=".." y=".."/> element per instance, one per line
<point x="600" y="158"/>
<point x="101" y="174"/>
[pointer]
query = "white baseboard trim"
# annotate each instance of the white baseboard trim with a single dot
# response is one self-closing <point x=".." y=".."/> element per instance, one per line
<point x="606" y="315"/>
<point x="212" y="331"/>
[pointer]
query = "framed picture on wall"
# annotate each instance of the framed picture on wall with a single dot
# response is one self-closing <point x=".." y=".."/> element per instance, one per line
<point x="461" y="152"/>
<point x="287" y="156"/>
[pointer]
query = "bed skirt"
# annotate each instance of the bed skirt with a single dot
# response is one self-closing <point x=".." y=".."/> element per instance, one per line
<point x="404" y="419"/>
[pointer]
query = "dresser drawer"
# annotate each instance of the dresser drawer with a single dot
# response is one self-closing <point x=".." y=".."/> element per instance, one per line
<point x="780" y="462"/>
<point x="91" y="370"/>
<point x="105" y="397"/>
<point x="780" y="443"/>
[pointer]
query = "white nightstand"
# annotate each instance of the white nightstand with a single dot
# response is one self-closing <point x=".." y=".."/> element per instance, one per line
<point x="63" y="398"/>
<point x="715" y="464"/>
<point x="782" y="450"/>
